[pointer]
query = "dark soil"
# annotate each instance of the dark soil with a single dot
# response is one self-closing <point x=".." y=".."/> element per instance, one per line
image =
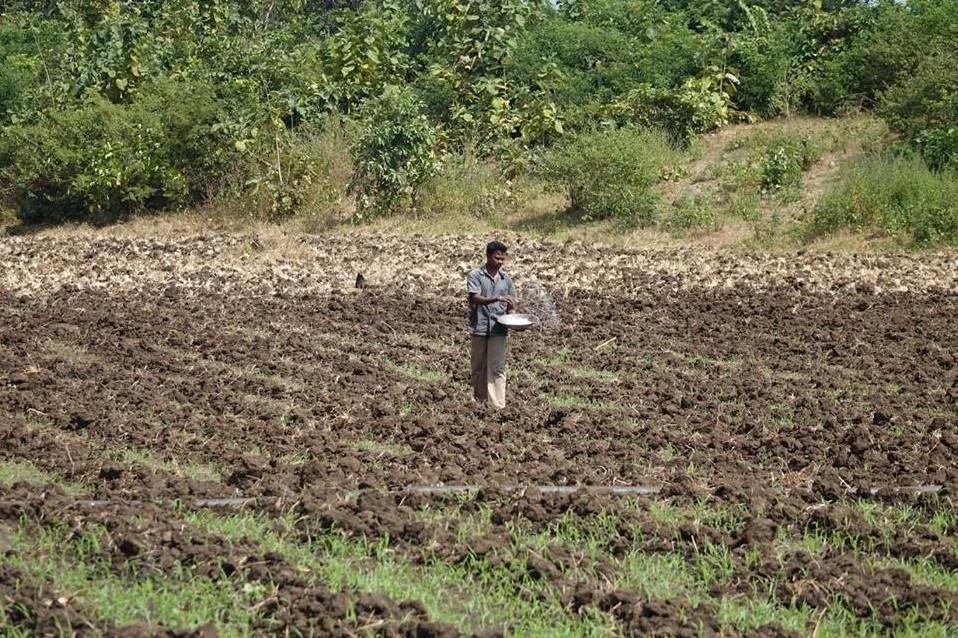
<point x="780" y="402"/>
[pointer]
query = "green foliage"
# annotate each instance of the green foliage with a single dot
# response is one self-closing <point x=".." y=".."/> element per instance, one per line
<point x="592" y="63"/>
<point x="775" y="76"/>
<point x="786" y="158"/>
<point x="367" y="52"/>
<point x="465" y="47"/>
<point x="101" y="160"/>
<point x="21" y="69"/>
<point x="468" y="185"/>
<point x="394" y="153"/>
<point x="692" y="212"/>
<point x="504" y="80"/>
<point x="895" y="195"/>
<point x="593" y="53"/>
<point x="286" y="173"/>
<point x="609" y="173"/>
<point x="700" y="105"/>
<point x="924" y="109"/>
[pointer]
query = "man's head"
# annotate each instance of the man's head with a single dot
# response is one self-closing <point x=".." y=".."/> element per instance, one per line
<point x="496" y="254"/>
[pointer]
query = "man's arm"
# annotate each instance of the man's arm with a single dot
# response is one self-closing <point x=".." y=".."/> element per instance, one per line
<point x="474" y="290"/>
<point x="478" y="300"/>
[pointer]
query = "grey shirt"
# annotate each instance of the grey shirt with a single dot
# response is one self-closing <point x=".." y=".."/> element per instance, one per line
<point x="482" y="319"/>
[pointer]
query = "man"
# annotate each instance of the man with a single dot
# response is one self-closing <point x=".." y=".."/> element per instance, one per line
<point x="491" y="294"/>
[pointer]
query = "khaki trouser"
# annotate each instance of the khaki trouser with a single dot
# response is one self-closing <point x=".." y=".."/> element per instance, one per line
<point x="489" y="370"/>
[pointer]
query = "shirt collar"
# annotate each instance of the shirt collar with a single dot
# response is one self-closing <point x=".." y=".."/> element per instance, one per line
<point x="485" y="271"/>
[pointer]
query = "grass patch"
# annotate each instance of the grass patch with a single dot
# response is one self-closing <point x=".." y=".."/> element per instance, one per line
<point x="406" y="409"/>
<point x="20" y="470"/>
<point x="417" y="372"/>
<point x="692" y="212"/>
<point x="580" y="403"/>
<point x="194" y="471"/>
<point x="701" y="361"/>
<point x="466" y="525"/>
<point x="473" y="594"/>
<point x="178" y="599"/>
<point x="609" y="174"/>
<point x="500" y="592"/>
<point x="660" y="576"/>
<point x="275" y="380"/>
<point x="467" y="185"/>
<point x="923" y="571"/>
<point x="562" y="359"/>
<point x="895" y="196"/>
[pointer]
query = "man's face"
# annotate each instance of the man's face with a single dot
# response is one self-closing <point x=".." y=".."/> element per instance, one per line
<point x="496" y="260"/>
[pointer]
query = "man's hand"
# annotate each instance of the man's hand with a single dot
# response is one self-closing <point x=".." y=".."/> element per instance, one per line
<point x="510" y="301"/>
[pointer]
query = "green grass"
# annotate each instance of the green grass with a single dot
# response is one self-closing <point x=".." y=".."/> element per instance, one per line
<point x="17" y="470"/>
<point x="691" y="213"/>
<point x="72" y="563"/>
<point x="660" y="576"/>
<point x="922" y="571"/>
<point x="580" y="403"/>
<point x="900" y="197"/>
<point x="562" y="360"/>
<point x="704" y="362"/>
<point x="194" y="471"/>
<point x="467" y="525"/>
<point x="743" y="614"/>
<point x="598" y="375"/>
<point x="473" y="594"/>
<point x="406" y="409"/>
<point x="276" y="380"/>
<point x="417" y="372"/>
<point x="495" y="592"/>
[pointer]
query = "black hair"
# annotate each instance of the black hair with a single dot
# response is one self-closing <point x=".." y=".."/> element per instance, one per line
<point x="494" y="247"/>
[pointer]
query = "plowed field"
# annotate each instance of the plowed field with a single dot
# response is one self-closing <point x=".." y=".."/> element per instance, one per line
<point x="221" y="435"/>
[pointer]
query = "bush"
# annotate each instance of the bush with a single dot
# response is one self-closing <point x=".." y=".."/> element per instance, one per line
<point x="394" y="155"/>
<point x="466" y="185"/>
<point x="700" y="105"/>
<point x="101" y="160"/>
<point x="609" y="174"/>
<point x="305" y="170"/>
<point x="20" y="69"/>
<point x="895" y="195"/>
<point x="595" y="63"/>
<point x="924" y="109"/>
<point x="774" y="79"/>
<point x="692" y="211"/>
<point x="786" y="158"/>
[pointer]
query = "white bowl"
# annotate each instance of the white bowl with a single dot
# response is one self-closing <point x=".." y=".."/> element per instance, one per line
<point x="517" y="321"/>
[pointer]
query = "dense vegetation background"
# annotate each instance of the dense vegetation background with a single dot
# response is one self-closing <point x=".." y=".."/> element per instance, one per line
<point x="274" y="107"/>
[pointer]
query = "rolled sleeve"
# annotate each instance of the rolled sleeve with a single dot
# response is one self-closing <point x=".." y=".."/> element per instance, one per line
<point x="473" y="286"/>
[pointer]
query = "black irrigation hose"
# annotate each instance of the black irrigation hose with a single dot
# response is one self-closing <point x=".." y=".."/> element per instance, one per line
<point x="439" y="490"/>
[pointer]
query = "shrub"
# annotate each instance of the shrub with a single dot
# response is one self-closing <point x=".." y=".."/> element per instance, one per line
<point x="924" y="109"/>
<point x="609" y="173"/>
<point x="595" y="63"/>
<point x="786" y="158"/>
<point x="394" y="155"/>
<point x="288" y="173"/>
<point x="699" y="105"/>
<point x="692" y="211"/>
<point x="896" y="195"/>
<point x="466" y="185"/>
<point x="774" y="78"/>
<point x="20" y="69"/>
<point x="102" y="160"/>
